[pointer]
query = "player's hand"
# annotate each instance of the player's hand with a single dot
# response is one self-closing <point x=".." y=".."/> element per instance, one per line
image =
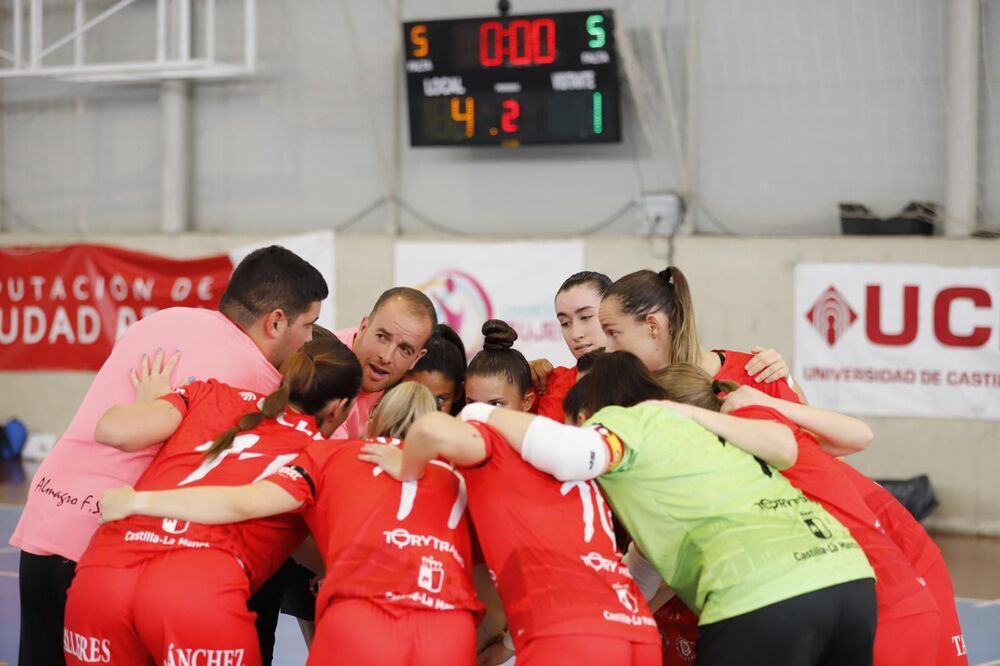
<point x="745" y="396"/>
<point x="386" y="456"/>
<point x="540" y="370"/>
<point x="117" y="503"/>
<point x="767" y="365"/>
<point x="152" y="379"/>
<point x="494" y="654"/>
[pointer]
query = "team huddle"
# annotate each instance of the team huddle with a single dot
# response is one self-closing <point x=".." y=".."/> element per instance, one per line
<point x="657" y="503"/>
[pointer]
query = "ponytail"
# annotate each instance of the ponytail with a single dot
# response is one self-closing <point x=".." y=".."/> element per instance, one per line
<point x="270" y="407"/>
<point x="324" y="369"/>
<point x="689" y="384"/>
<point x="645" y="292"/>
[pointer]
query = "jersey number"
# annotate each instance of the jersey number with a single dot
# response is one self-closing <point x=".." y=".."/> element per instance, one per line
<point x="588" y="492"/>
<point x="408" y="495"/>
<point x="240" y="448"/>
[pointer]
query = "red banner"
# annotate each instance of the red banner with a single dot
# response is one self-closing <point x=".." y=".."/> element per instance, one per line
<point x="62" y="308"/>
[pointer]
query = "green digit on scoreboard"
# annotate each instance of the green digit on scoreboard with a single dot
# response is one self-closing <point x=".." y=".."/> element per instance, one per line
<point x="598" y="113"/>
<point x="595" y="28"/>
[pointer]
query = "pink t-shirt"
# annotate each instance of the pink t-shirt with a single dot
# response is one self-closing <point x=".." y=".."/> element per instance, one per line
<point x="61" y="513"/>
<point x="357" y="420"/>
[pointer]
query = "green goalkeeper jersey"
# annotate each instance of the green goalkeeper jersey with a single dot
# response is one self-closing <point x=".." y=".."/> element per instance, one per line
<point x="727" y="532"/>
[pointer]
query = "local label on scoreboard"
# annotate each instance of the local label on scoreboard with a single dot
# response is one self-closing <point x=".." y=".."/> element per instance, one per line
<point x="513" y="80"/>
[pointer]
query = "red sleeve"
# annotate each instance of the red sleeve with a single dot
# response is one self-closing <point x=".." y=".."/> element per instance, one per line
<point x="550" y="403"/>
<point x="302" y="478"/>
<point x="491" y="439"/>
<point x="761" y="413"/>
<point x="184" y="397"/>
<point x="734" y="370"/>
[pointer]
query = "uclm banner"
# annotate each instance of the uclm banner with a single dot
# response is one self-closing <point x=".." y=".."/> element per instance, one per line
<point x="63" y="307"/>
<point x="899" y="340"/>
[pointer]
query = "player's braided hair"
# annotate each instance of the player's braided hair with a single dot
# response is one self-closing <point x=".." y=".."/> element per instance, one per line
<point x="689" y="384"/>
<point x="323" y="370"/>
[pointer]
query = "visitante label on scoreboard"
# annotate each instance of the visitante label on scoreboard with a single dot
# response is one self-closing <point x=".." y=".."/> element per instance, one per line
<point x="513" y="80"/>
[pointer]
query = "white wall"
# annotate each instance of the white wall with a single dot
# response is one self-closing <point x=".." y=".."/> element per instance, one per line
<point x="742" y="289"/>
<point x="802" y="103"/>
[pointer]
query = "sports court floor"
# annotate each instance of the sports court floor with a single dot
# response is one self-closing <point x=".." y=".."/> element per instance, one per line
<point x="973" y="563"/>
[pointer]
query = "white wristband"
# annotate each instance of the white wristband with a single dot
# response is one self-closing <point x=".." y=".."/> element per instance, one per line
<point x="508" y="640"/>
<point x="476" y="411"/>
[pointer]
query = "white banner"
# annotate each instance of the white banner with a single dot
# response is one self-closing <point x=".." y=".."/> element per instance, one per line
<point x="318" y="249"/>
<point x="899" y="340"/>
<point x="516" y="282"/>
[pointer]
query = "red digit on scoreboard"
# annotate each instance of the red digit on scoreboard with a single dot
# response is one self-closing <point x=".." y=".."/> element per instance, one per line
<point x="544" y="33"/>
<point x="491" y="35"/>
<point x="521" y="43"/>
<point x="521" y="47"/>
<point x="511" y="112"/>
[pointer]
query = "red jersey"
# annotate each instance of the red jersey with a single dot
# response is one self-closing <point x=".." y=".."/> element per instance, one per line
<point x="734" y="370"/>
<point x="402" y="545"/>
<point x="209" y="408"/>
<point x="551" y="551"/>
<point x="558" y="384"/>
<point x="821" y="478"/>
<point x="896" y="521"/>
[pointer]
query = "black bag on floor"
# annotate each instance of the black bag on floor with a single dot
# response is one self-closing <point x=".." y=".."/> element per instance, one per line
<point x="915" y="494"/>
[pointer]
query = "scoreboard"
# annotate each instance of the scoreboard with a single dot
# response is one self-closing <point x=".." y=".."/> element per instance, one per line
<point x="513" y="80"/>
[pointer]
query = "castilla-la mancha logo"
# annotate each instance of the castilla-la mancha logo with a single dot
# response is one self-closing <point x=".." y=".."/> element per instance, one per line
<point x="831" y="315"/>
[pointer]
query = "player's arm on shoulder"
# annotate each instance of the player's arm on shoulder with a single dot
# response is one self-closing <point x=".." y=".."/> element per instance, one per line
<point x="210" y="505"/>
<point x="135" y="427"/>
<point x="772" y="442"/>
<point x="149" y="420"/>
<point x="566" y="452"/>
<point x="431" y="436"/>
<point x="838" y="434"/>
<point x="438" y="434"/>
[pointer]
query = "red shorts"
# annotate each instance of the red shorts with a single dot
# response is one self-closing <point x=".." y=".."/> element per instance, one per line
<point x="678" y="632"/>
<point x="358" y="631"/>
<point x="907" y="641"/>
<point x="951" y="643"/>
<point x="181" y="607"/>
<point x="587" y="651"/>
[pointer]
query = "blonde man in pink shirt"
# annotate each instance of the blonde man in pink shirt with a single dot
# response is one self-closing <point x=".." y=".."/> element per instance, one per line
<point x="388" y="343"/>
<point x="265" y="315"/>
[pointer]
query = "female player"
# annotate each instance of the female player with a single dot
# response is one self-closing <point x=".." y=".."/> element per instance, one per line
<point x="652" y="316"/>
<point x="397" y="588"/>
<point x="925" y="557"/>
<point x="442" y="369"/>
<point x="169" y="589"/>
<point x="577" y="302"/>
<point x="774" y="578"/>
<point x="908" y="620"/>
<point x="499" y="374"/>
<point x="549" y="546"/>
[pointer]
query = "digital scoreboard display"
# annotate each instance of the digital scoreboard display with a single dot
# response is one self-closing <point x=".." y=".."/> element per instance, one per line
<point x="513" y="80"/>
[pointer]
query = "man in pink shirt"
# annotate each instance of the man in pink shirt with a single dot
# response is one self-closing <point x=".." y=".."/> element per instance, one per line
<point x="265" y="315"/>
<point x="388" y="343"/>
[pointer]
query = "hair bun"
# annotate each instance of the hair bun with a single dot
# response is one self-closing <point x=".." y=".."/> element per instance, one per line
<point x="498" y="335"/>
